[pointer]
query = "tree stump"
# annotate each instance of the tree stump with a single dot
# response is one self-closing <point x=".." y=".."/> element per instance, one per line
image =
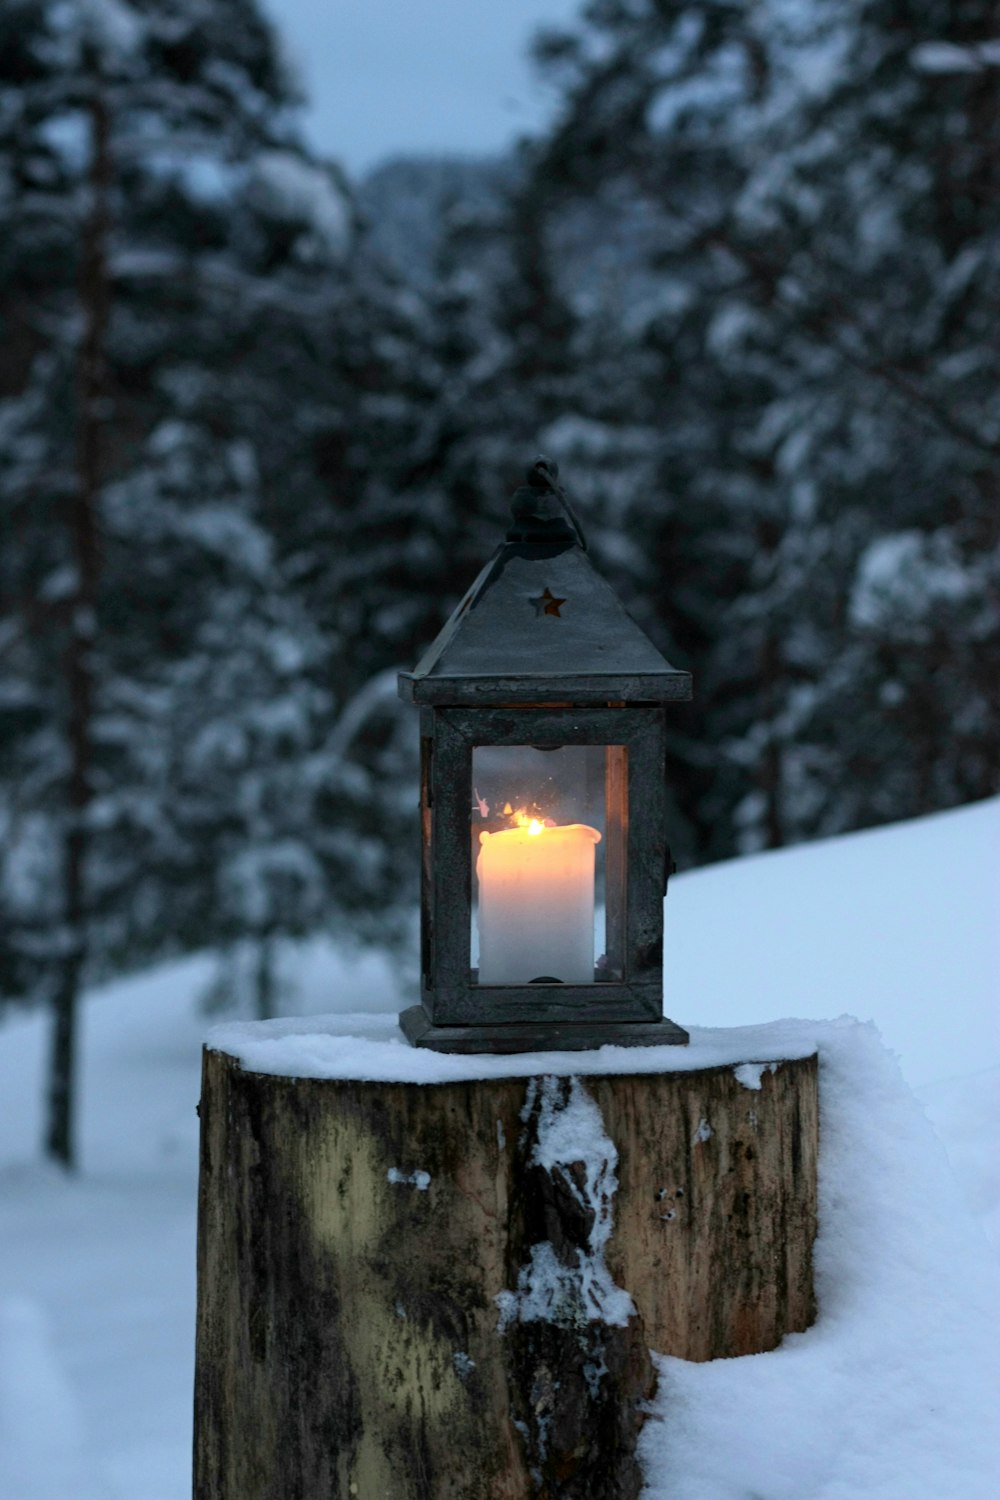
<point x="448" y="1291"/>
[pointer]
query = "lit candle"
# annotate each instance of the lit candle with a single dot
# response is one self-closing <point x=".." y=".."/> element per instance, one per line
<point x="536" y="904"/>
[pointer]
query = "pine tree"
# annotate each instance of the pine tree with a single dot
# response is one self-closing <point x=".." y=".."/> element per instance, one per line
<point x="873" y="223"/>
<point x="661" y="107"/>
<point x="809" y="195"/>
<point x="170" y="244"/>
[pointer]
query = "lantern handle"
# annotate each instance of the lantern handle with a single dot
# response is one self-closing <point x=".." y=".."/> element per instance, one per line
<point x="542" y="510"/>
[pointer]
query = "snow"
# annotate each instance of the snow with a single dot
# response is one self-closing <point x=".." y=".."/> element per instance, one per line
<point x="750" y="1074"/>
<point x="900" y="575"/>
<point x="893" y="1393"/>
<point x="950" y="57"/>
<point x="898" y="925"/>
<point x="113" y="28"/>
<point x="888" y="1397"/>
<point x="570" y="1130"/>
<point x="302" y="193"/>
<point x="41" y="1432"/>
<point x="419" y="1179"/>
<point x="964" y="1112"/>
<point x="372" y="1046"/>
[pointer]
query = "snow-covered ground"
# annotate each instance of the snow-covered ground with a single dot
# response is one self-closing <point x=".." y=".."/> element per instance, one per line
<point x="887" y="1398"/>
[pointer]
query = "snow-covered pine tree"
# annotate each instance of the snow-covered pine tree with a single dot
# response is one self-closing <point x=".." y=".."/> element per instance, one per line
<point x="820" y="185"/>
<point x="870" y="221"/>
<point x="454" y="380"/>
<point x="661" y="106"/>
<point x="487" y="355"/>
<point x="168" y="246"/>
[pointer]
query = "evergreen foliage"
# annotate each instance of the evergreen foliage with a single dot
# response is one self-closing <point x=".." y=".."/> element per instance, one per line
<point x="818" y="191"/>
<point x="253" y="450"/>
<point x="173" y="271"/>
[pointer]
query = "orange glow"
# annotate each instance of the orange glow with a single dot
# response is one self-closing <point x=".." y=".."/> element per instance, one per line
<point x="521" y="818"/>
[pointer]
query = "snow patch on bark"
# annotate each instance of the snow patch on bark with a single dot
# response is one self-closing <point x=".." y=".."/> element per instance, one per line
<point x="750" y="1074"/>
<point x="571" y="1135"/>
<point x="419" y="1179"/>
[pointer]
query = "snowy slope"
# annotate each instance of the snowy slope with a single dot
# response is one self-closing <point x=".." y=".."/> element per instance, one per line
<point x="883" y="1399"/>
<point x="97" y="1276"/>
<point x="899" y="925"/>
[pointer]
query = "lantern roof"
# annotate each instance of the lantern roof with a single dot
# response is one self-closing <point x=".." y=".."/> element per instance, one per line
<point x="540" y="625"/>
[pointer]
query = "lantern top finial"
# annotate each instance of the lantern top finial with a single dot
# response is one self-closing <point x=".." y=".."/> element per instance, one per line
<point x="542" y="511"/>
<point x="540" y="625"/>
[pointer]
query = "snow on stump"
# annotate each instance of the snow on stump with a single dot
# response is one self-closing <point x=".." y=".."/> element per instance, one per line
<point x="441" y="1285"/>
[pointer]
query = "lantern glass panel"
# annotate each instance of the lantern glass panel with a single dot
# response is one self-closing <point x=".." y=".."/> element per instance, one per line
<point x="548" y="858"/>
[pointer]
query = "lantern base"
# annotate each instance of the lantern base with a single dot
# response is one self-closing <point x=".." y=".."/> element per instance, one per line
<point x="541" y="1036"/>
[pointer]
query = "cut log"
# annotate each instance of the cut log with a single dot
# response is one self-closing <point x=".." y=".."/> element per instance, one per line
<point x="448" y="1291"/>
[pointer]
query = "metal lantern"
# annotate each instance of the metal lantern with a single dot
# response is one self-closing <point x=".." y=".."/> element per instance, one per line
<point x="543" y="804"/>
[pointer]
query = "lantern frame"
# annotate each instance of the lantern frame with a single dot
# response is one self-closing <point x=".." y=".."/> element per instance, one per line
<point x="499" y="676"/>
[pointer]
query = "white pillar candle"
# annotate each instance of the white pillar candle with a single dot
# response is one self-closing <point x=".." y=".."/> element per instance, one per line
<point x="536" y="904"/>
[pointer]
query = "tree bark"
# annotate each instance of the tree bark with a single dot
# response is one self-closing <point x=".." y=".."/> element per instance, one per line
<point x="264" y="979"/>
<point x="94" y="301"/>
<point x="423" y="1290"/>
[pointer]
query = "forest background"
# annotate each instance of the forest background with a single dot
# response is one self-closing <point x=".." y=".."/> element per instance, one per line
<point x="259" y="424"/>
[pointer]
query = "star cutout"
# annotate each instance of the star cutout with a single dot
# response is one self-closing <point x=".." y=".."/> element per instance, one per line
<point x="548" y="604"/>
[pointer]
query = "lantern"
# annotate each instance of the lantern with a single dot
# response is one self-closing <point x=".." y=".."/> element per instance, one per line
<point x="545" y="859"/>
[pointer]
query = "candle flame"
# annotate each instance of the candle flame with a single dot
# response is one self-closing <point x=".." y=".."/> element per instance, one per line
<point x="534" y="826"/>
<point x="522" y="820"/>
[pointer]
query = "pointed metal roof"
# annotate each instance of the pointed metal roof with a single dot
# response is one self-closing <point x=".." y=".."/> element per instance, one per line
<point x="540" y="625"/>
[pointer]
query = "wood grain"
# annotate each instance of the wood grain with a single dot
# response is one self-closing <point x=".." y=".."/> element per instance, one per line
<point x="347" y="1336"/>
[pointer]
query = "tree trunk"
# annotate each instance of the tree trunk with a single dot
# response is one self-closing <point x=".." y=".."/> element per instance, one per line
<point x="264" y="978"/>
<point x="94" y="298"/>
<point x="450" y="1290"/>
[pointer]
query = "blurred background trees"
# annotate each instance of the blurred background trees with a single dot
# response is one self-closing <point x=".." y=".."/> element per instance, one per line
<point x="258" y="426"/>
